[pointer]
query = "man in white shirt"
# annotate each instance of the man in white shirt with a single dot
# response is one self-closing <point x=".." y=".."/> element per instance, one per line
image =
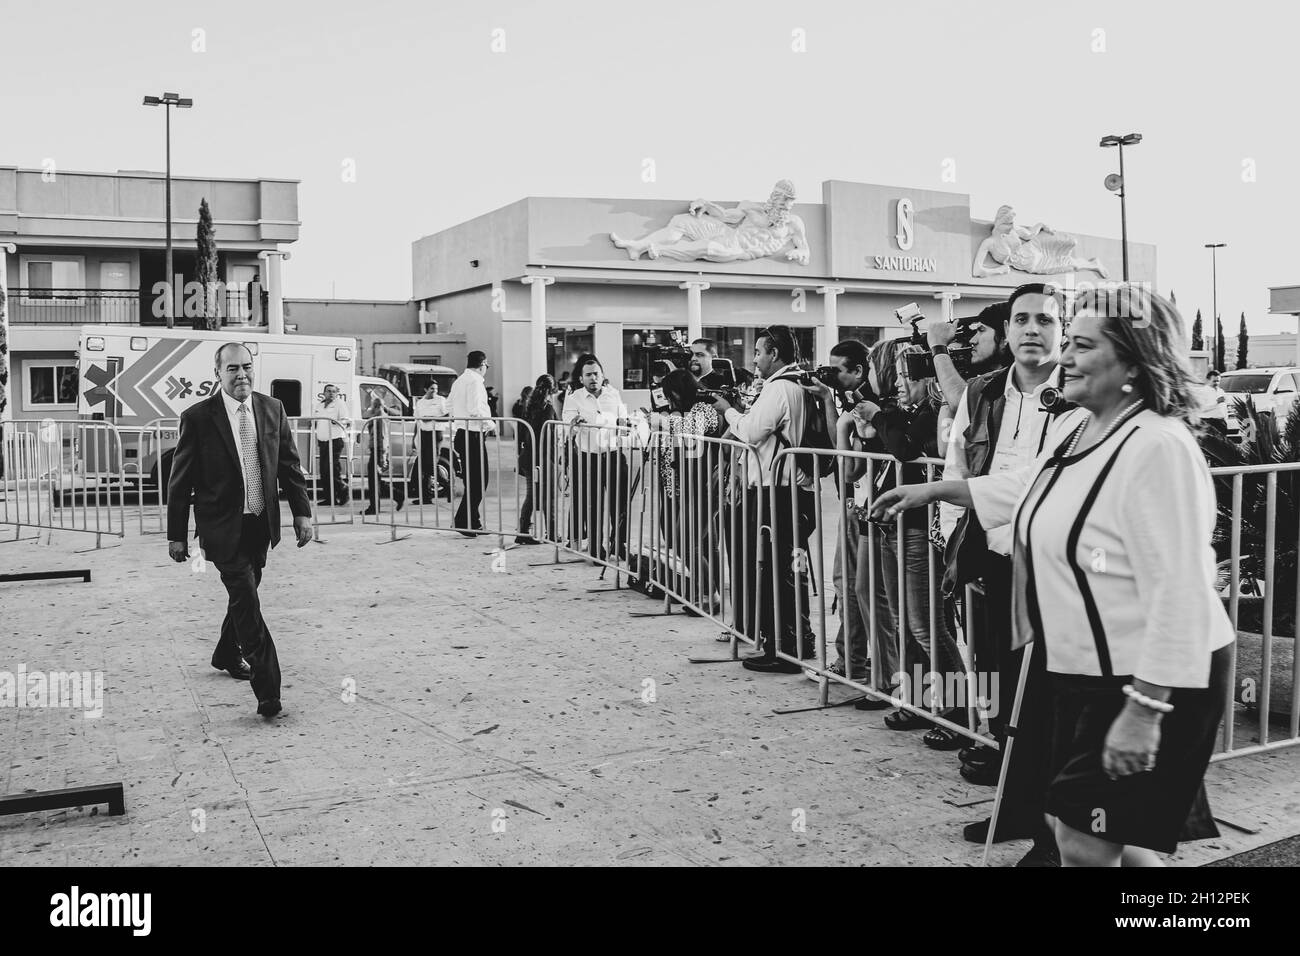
<point x="472" y="419"/>
<point x="428" y="407"/>
<point x="331" y="429"/>
<point x="1001" y="425"/>
<point x="600" y="476"/>
<point x="775" y="421"/>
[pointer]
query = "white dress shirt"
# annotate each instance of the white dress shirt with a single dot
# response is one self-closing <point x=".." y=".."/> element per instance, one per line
<point x="1021" y="439"/>
<point x="605" y="410"/>
<point x="427" y="408"/>
<point x="337" y="411"/>
<point x="774" y="421"/>
<point x="468" y="399"/>
<point x="232" y="416"/>
<point x="1141" y="552"/>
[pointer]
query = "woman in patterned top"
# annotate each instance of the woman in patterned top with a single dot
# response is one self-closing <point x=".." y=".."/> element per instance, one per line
<point x="689" y="496"/>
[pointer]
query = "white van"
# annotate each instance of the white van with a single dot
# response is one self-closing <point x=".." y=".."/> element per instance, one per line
<point x="141" y="378"/>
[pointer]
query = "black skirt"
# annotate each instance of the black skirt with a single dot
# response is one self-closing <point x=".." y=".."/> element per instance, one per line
<point x="1152" y="809"/>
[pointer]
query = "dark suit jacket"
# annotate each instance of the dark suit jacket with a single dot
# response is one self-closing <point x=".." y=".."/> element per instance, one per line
<point x="206" y="465"/>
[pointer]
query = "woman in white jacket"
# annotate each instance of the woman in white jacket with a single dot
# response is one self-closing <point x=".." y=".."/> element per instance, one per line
<point x="1115" y="573"/>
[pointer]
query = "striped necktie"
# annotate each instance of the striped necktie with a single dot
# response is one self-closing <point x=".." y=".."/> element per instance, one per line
<point x="252" y="466"/>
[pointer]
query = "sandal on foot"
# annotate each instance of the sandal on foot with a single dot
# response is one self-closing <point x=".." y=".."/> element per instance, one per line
<point x="941" y="738"/>
<point x="906" y="720"/>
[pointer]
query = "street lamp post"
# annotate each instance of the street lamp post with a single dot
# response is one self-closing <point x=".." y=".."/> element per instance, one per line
<point x="1214" y="248"/>
<point x="169" y="100"/>
<point x="1129" y="139"/>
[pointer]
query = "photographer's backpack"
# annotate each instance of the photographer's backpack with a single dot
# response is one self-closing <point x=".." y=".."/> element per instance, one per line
<point x="815" y="434"/>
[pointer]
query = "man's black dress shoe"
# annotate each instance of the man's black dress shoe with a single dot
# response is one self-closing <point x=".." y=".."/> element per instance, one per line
<point x="770" y="665"/>
<point x="981" y="774"/>
<point x="269" y="708"/>
<point x="238" y="670"/>
<point x="1007" y="830"/>
<point x="871" y="703"/>
<point x="979" y="753"/>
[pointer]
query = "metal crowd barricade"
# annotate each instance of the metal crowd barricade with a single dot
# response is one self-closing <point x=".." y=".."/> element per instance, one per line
<point x="329" y="475"/>
<point x="429" y="478"/>
<point x="591" y="482"/>
<point x="63" y="476"/>
<point x="927" y="694"/>
<point x="1260" y="681"/>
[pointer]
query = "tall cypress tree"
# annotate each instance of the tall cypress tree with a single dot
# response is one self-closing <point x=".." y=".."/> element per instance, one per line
<point x="206" y="237"/>
<point x="1220" y="360"/>
<point x="1243" y="341"/>
<point x="1198" y="335"/>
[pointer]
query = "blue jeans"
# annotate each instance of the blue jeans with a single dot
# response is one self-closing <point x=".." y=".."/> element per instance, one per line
<point x="918" y="592"/>
<point x="853" y="613"/>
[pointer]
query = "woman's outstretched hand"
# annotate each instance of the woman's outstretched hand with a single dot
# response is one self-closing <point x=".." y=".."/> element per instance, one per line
<point x="897" y="500"/>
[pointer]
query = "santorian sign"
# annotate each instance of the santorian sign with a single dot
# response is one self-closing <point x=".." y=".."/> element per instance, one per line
<point x="903" y="263"/>
<point x="883" y="232"/>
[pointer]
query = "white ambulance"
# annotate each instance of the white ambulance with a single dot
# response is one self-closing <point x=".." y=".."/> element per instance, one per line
<point x="141" y="379"/>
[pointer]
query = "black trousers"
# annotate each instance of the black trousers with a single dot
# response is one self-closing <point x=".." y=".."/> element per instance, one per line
<point x="332" y="485"/>
<point x="244" y="632"/>
<point x="600" y="510"/>
<point x="424" y="479"/>
<point x="473" y="459"/>
<point x="775" y="585"/>
<point x="375" y="478"/>
<point x="1025" y="796"/>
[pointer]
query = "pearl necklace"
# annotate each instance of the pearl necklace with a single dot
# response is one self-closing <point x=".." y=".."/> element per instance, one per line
<point x="1124" y="415"/>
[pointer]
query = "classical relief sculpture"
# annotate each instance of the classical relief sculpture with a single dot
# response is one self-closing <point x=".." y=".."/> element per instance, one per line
<point x="750" y="230"/>
<point x="1037" y="251"/>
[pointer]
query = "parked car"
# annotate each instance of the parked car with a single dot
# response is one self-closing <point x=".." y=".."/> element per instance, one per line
<point x="413" y="380"/>
<point x="1271" y="390"/>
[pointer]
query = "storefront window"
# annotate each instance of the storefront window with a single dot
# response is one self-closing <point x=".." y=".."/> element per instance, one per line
<point x="737" y="343"/>
<point x="563" y="346"/>
<point x="640" y="346"/>
<point x="868" y="335"/>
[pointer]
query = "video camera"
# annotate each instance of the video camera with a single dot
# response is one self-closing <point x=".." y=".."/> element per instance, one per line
<point x="662" y="359"/>
<point x="921" y="364"/>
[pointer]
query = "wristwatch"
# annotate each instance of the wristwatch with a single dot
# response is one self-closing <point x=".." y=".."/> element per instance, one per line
<point x="938" y="350"/>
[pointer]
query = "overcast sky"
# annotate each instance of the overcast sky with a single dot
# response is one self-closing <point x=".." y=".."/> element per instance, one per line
<point x="442" y="129"/>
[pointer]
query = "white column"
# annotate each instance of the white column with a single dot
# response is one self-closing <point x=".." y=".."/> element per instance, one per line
<point x="694" y="309"/>
<point x="6" y="409"/>
<point x="274" y="289"/>
<point x="946" y="299"/>
<point x="537" y="327"/>
<point x="830" y="330"/>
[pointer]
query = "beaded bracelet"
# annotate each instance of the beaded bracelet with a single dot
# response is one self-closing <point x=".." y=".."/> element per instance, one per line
<point x="1150" y="703"/>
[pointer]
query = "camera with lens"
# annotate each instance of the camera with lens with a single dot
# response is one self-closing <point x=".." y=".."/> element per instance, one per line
<point x="920" y="365"/>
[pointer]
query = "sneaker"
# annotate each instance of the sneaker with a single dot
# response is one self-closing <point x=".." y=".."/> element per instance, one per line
<point x="837" y="669"/>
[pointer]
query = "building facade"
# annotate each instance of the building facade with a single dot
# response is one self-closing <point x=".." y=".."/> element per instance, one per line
<point x="541" y="280"/>
<point x="81" y="248"/>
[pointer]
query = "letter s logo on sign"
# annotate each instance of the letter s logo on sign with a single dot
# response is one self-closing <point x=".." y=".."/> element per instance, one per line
<point x="906" y="223"/>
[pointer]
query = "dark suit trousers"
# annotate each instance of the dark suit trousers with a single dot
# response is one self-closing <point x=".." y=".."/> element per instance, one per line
<point x="1027" y="777"/>
<point x="473" y="461"/>
<point x="244" y="632"/>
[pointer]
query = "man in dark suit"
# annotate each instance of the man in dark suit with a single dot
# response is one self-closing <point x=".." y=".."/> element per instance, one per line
<point x="232" y="451"/>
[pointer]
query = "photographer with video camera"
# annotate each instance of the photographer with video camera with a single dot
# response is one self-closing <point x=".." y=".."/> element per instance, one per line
<point x="776" y="420"/>
<point x="965" y="348"/>
<point x="843" y="386"/>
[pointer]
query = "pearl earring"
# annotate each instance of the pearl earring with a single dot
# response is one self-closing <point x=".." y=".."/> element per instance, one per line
<point x="1126" y="387"/>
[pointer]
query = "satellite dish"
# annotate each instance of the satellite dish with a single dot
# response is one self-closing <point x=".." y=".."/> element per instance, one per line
<point x="1114" y="181"/>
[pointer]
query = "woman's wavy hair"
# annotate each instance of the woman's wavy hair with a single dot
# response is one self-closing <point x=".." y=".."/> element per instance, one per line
<point x="543" y="392"/>
<point x="933" y="391"/>
<point x="1146" y="331"/>
<point x="681" y="389"/>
